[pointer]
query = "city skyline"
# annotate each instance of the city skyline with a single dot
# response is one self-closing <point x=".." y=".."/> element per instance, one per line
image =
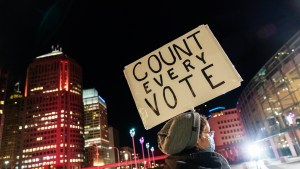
<point x="105" y="38"/>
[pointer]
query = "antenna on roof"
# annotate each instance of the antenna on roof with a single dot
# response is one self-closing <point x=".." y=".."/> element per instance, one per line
<point x="17" y="86"/>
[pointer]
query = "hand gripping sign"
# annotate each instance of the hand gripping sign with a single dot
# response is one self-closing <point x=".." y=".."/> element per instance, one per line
<point x="180" y="75"/>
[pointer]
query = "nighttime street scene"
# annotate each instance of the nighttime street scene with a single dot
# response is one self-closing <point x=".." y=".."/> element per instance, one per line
<point x="150" y="85"/>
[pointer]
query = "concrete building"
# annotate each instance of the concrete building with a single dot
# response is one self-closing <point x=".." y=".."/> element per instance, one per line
<point x="126" y="155"/>
<point x="52" y="122"/>
<point x="114" y="143"/>
<point x="228" y="133"/>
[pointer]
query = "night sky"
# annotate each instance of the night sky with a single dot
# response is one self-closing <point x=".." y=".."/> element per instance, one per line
<point x="105" y="36"/>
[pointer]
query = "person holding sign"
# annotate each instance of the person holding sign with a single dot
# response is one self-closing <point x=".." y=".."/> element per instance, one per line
<point x="189" y="142"/>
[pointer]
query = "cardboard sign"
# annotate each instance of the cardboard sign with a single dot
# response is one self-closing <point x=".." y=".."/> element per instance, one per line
<point x="179" y="76"/>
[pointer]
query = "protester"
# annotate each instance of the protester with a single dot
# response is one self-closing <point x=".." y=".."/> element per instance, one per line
<point x="188" y="141"/>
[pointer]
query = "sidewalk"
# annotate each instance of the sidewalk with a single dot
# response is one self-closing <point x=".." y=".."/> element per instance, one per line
<point x="263" y="164"/>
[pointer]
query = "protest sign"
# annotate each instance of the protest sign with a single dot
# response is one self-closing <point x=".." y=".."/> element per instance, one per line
<point x="180" y="75"/>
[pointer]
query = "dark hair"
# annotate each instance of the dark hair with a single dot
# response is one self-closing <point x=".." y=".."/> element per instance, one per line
<point x="203" y="123"/>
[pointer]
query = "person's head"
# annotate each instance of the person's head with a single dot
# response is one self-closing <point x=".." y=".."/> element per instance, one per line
<point x="185" y="131"/>
<point x="205" y="140"/>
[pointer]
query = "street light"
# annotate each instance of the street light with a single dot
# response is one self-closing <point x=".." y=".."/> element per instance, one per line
<point x="289" y="118"/>
<point x="132" y="133"/>
<point x="97" y="154"/>
<point x="126" y="158"/>
<point x="142" y="142"/>
<point x="149" y="161"/>
<point x="6" y="163"/>
<point x="117" y="154"/>
<point x="126" y="153"/>
<point x="152" y="151"/>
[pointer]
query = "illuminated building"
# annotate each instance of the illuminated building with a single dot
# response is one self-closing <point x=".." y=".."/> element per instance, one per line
<point x="10" y="147"/>
<point x="270" y="103"/>
<point x="95" y="128"/>
<point x="3" y="87"/>
<point x="52" y="122"/>
<point x="127" y="155"/>
<point x="229" y="133"/>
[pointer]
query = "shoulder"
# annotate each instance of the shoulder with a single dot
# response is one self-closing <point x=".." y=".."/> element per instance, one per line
<point x="197" y="159"/>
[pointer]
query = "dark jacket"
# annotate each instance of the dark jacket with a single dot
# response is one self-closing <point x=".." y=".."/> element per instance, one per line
<point x="196" y="159"/>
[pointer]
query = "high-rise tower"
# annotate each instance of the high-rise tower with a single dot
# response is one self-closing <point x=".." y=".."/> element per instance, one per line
<point x="52" y="128"/>
<point x="3" y="87"/>
<point x="10" y="147"/>
<point x="96" y="128"/>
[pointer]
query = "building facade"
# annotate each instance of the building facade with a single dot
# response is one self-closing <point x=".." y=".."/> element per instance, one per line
<point x="95" y="129"/>
<point x="3" y="91"/>
<point x="52" y="122"/>
<point x="10" y="148"/>
<point x="228" y="133"/>
<point x="114" y="143"/>
<point x="127" y="155"/>
<point x="270" y="103"/>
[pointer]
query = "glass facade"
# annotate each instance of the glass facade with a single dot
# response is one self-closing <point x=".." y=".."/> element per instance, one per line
<point x="270" y="103"/>
<point x="95" y="129"/>
<point x="3" y="87"/>
<point x="10" y="147"/>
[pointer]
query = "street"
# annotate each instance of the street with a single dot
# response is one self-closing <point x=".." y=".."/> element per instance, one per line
<point x="261" y="165"/>
<point x="295" y="165"/>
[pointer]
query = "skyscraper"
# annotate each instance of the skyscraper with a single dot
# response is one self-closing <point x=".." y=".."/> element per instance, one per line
<point x="52" y="122"/>
<point x="3" y="87"/>
<point x="10" y="147"/>
<point x="95" y="128"/>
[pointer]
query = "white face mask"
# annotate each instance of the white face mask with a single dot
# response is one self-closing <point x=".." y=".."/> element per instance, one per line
<point x="212" y="146"/>
<point x="206" y="144"/>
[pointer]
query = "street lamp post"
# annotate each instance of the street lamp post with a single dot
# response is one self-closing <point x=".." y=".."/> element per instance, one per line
<point x="97" y="154"/>
<point x="118" y="153"/>
<point x="149" y="161"/>
<point x="132" y="133"/>
<point x="6" y="163"/>
<point x="290" y="121"/>
<point x="126" y="158"/>
<point x="152" y="151"/>
<point x="142" y="142"/>
<point x="126" y="154"/>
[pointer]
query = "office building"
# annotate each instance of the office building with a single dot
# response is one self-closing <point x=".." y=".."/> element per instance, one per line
<point x="228" y="133"/>
<point x="3" y="91"/>
<point x="52" y="122"/>
<point x="10" y="147"/>
<point x="95" y="129"/>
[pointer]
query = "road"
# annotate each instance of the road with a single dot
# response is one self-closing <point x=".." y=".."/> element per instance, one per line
<point x="294" y="165"/>
<point x="273" y="165"/>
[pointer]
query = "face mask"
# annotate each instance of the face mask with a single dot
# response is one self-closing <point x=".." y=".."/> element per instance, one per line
<point x="207" y="144"/>
<point x="212" y="144"/>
